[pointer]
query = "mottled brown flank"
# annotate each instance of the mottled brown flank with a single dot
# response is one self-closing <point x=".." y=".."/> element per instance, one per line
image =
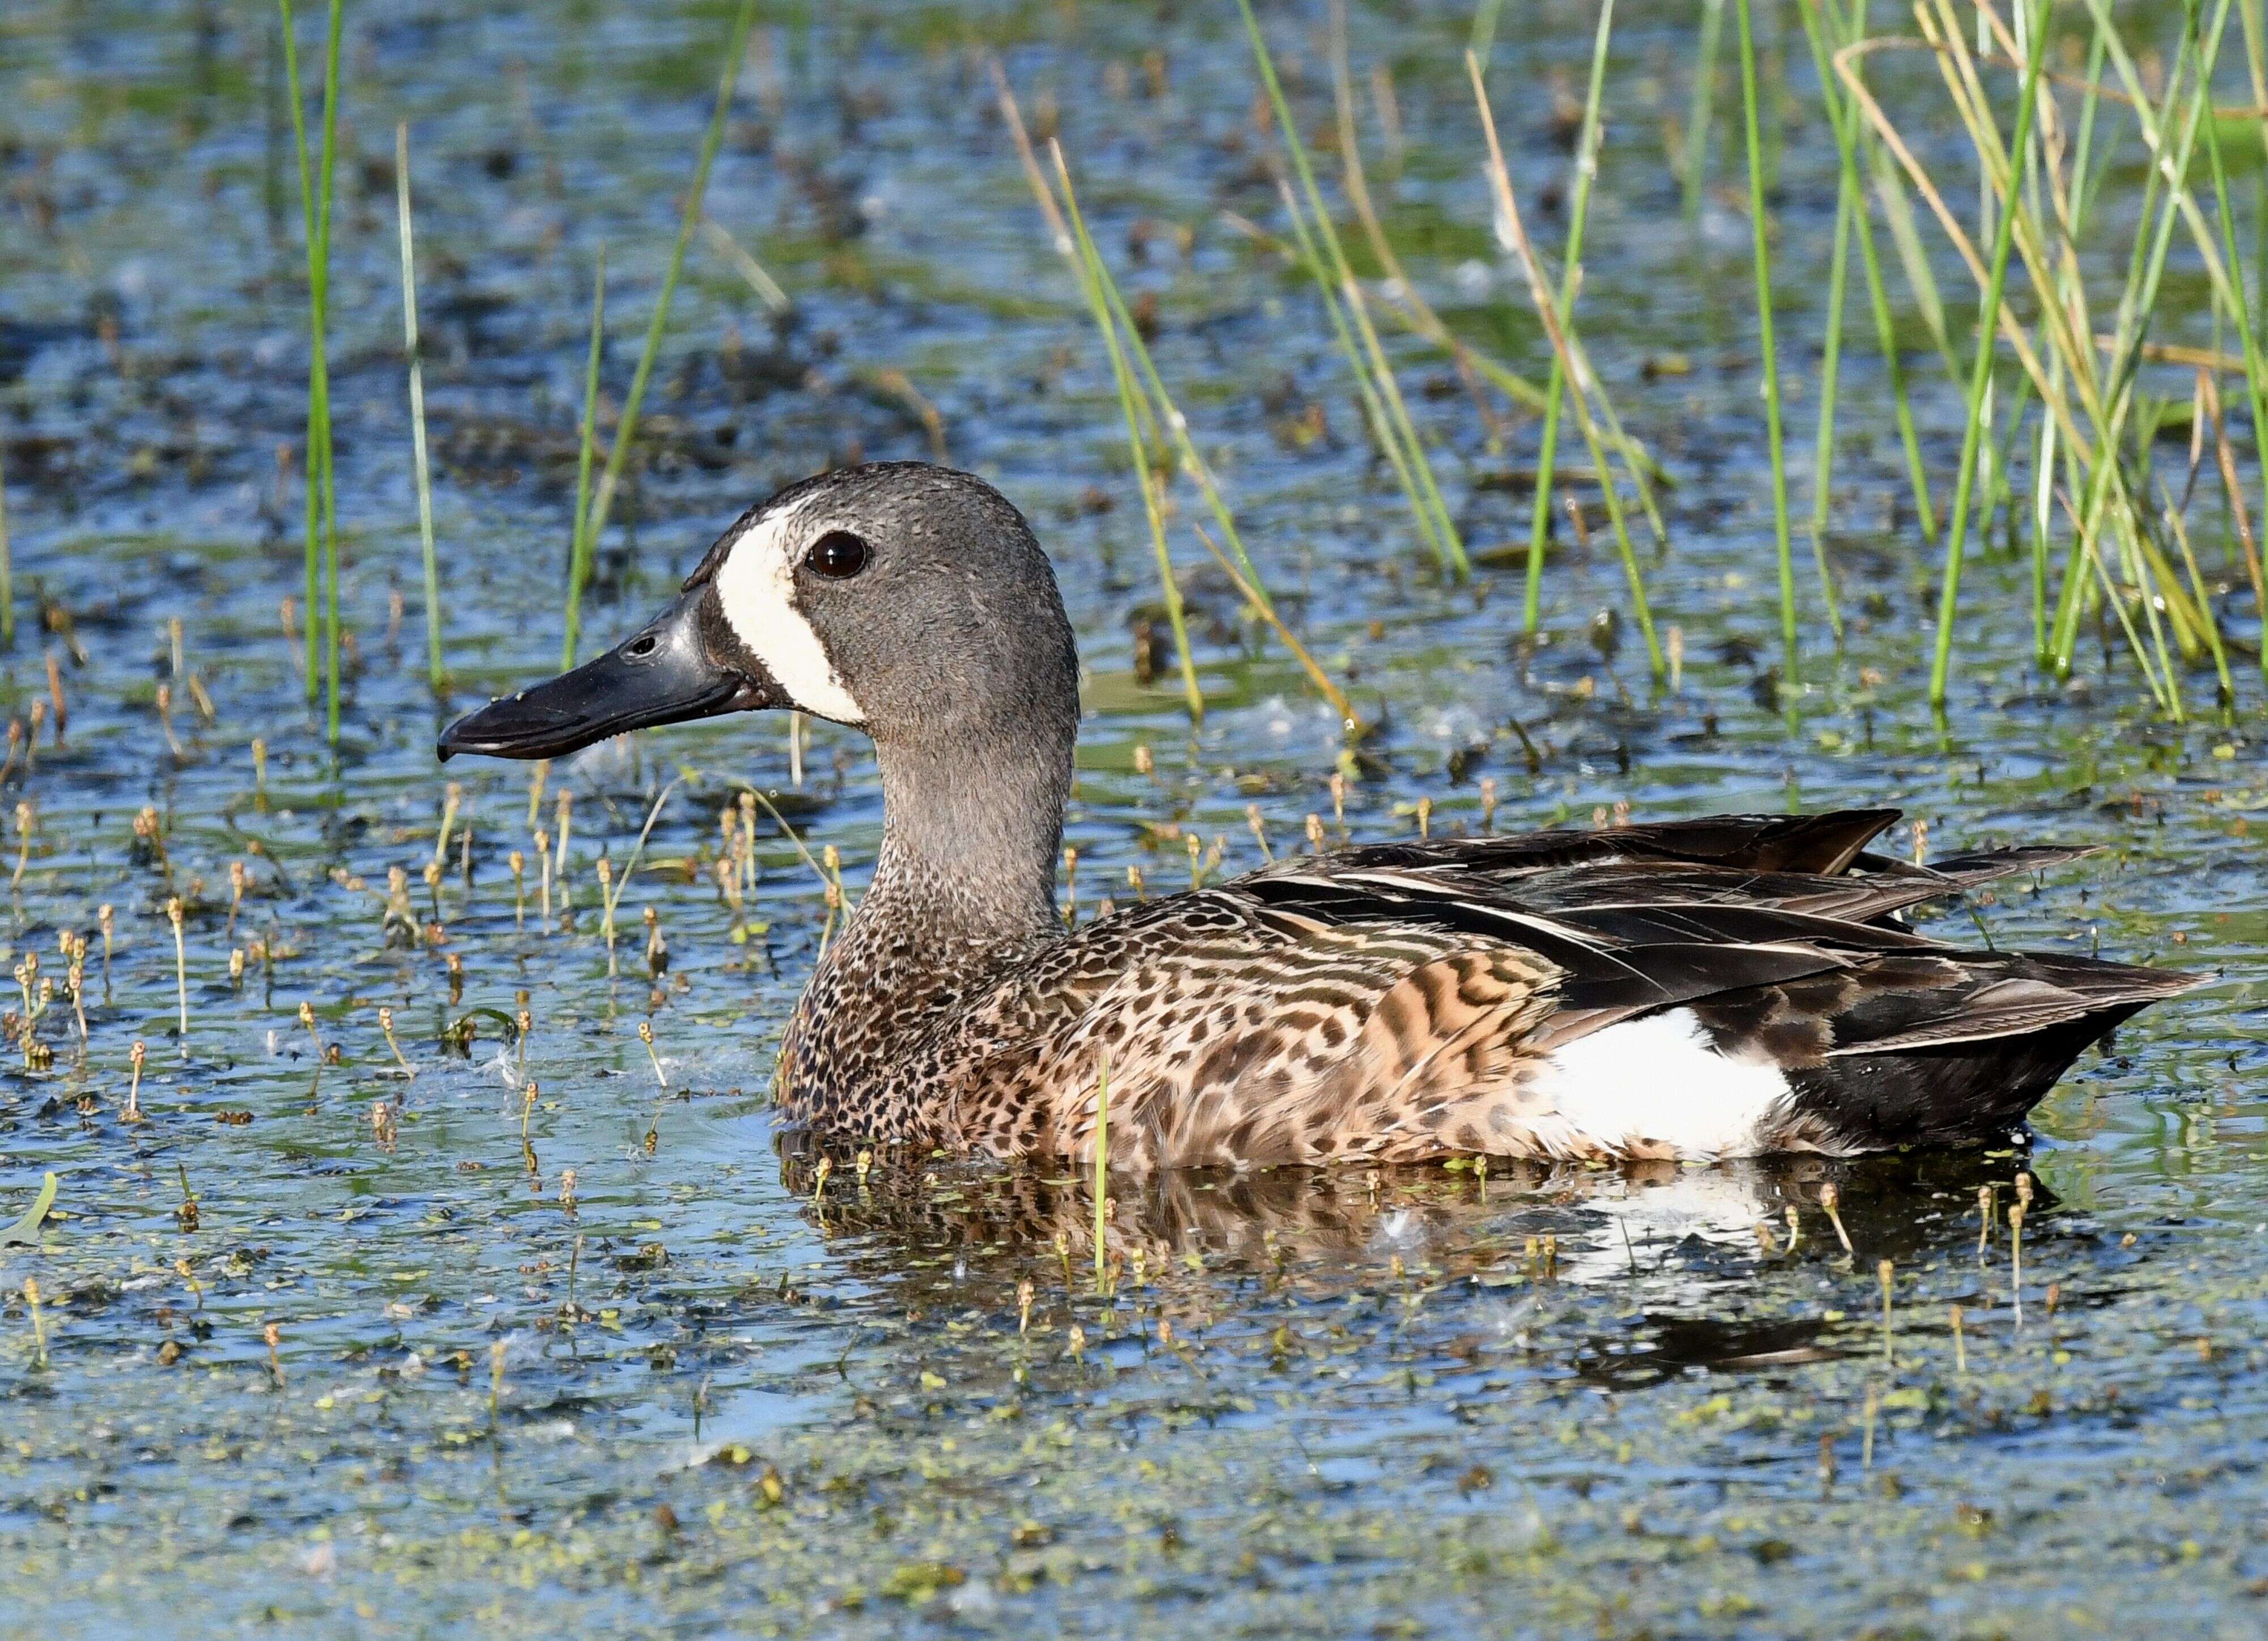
<point x="1231" y="1038"/>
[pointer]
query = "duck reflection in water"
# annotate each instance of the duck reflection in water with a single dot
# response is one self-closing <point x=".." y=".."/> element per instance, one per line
<point x="1199" y="1245"/>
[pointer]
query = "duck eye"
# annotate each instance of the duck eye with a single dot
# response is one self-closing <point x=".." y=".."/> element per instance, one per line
<point x="838" y="556"/>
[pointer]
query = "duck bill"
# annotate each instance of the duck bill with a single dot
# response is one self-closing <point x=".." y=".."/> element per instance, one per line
<point x="667" y="673"/>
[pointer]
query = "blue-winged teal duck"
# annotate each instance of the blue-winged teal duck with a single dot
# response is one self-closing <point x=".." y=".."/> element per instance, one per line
<point x="1700" y="989"/>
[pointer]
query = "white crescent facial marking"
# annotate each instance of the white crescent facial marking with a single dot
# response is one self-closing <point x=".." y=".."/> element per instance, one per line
<point x="1660" y="1080"/>
<point x="756" y="587"/>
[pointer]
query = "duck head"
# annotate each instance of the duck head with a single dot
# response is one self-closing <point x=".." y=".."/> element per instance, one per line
<point x="908" y="600"/>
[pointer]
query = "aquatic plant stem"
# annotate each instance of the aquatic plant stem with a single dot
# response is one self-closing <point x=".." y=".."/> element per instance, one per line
<point x="1851" y="138"/>
<point x="1390" y="421"/>
<point x="578" y="552"/>
<point x="322" y="500"/>
<point x="1702" y="109"/>
<point x="1094" y="278"/>
<point x="7" y="566"/>
<point x="1570" y="273"/>
<point x="2137" y="304"/>
<point x="1508" y="211"/>
<point x="1988" y="325"/>
<point x="322" y="315"/>
<point x="618" y="452"/>
<point x="2256" y="368"/>
<point x="433" y="671"/>
<point x="1101" y="1164"/>
<point x="1300" y="653"/>
<point x="1767" y="351"/>
<point x="1823" y="455"/>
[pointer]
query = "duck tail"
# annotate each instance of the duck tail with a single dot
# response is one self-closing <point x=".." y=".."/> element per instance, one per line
<point x="1965" y="1060"/>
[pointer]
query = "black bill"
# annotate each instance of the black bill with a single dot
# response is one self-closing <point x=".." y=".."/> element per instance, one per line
<point x="668" y="673"/>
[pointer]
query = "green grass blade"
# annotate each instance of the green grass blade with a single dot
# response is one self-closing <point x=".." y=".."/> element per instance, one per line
<point x="7" y="566"/>
<point x="1094" y="280"/>
<point x="1578" y="378"/>
<point x="312" y="461"/>
<point x="1702" y="111"/>
<point x="1392" y="424"/>
<point x="2256" y="368"/>
<point x="1761" y="239"/>
<point x="321" y="307"/>
<point x="618" y="452"/>
<point x="579" y="549"/>
<point x="1586" y="169"/>
<point x="1823" y="454"/>
<point x="1921" y="283"/>
<point x="433" y="669"/>
<point x="1988" y="326"/>
<point x="1160" y="413"/>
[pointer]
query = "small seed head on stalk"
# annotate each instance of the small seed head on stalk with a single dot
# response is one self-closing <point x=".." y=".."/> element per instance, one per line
<point x="26" y="823"/>
<point x="1830" y="1202"/>
<point x="1258" y="826"/>
<point x="39" y="1322"/>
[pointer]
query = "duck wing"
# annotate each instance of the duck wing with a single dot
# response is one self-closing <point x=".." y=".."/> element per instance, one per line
<point x="1823" y="844"/>
<point x="1724" y="988"/>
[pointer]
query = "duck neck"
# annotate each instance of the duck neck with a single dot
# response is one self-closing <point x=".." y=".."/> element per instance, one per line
<point x="972" y="827"/>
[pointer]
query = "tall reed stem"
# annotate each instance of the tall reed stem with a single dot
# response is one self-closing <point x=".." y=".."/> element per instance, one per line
<point x="1988" y="326"/>
<point x="1508" y="211"/>
<point x="7" y="566"/>
<point x="1101" y="1165"/>
<point x="1570" y="273"/>
<point x="1094" y="278"/>
<point x="322" y="536"/>
<point x="618" y="452"/>
<point x="1390" y="422"/>
<point x="578" y="552"/>
<point x="1702" y="111"/>
<point x="2256" y="368"/>
<point x="433" y="670"/>
<point x="1767" y="351"/>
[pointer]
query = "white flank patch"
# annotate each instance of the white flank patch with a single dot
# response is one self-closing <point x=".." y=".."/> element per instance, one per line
<point x="756" y="585"/>
<point x="1660" y="1083"/>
